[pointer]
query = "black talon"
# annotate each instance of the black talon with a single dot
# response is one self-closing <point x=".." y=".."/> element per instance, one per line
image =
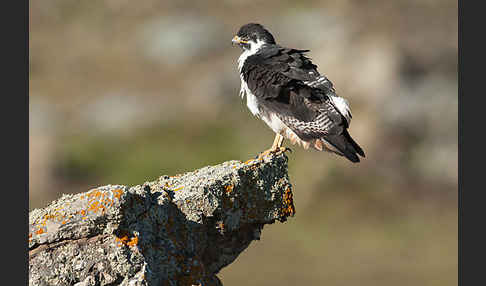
<point x="285" y="149"/>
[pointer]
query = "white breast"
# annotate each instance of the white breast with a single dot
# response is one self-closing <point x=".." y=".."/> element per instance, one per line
<point x="251" y="100"/>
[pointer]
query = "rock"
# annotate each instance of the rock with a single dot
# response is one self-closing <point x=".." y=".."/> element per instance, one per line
<point x="179" y="230"/>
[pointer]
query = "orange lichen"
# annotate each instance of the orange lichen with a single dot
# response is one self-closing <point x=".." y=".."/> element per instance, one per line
<point x="133" y="241"/>
<point x="96" y="201"/>
<point x="40" y="231"/>
<point x="229" y="188"/>
<point x="124" y="239"/>
<point x="93" y="193"/>
<point x="288" y="209"/>
<point x="248" y="161"/>
<point x="117" y="193"/>
<point x="93" y="207"/>
<point x="57" y="217"/>
<point x="100" y="200"/>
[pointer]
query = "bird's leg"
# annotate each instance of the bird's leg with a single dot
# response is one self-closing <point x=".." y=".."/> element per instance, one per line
<point x="276" y="147"/>
<point x="277" y="143"/>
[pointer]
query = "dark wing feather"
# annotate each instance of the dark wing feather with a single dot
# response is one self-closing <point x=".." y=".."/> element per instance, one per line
<point x="277" y="76"/>
<point x="295" y="65"/>
<point x="286" y="82"/>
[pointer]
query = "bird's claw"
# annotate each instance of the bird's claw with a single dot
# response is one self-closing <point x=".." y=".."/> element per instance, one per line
<point x="279" y="150"/>
<point x="284" y="149"/>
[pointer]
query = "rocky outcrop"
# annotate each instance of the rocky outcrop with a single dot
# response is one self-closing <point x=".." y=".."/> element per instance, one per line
<point x="177" y="230"/>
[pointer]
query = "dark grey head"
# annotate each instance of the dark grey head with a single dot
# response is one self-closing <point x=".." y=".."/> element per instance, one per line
<point x="252" y="34"/>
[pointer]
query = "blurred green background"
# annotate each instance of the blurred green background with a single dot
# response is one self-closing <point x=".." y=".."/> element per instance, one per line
<point x="122" y="92"/>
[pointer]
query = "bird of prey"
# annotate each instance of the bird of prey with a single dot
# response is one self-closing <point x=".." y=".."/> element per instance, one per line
<point x="285" y="90"/>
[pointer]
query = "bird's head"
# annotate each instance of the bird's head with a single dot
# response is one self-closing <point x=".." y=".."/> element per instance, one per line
<point x="252" y="36"/>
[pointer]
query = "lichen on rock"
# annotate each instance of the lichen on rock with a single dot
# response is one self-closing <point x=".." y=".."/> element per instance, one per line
<point x="179" y="230"/>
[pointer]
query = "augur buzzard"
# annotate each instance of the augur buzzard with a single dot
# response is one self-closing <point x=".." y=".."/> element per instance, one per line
<point x="285" y="90"/>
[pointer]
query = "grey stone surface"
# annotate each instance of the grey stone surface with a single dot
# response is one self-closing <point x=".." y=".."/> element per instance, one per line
<point x="178" y="230"/>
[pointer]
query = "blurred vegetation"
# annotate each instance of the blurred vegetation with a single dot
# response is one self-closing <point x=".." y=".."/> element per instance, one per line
<point x="124" y="92"/>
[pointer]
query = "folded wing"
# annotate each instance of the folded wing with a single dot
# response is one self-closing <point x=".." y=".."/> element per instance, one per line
<point x="286" y="83"/>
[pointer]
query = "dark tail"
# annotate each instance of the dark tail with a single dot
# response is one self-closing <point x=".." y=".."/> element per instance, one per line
<point x="346" y="145"/>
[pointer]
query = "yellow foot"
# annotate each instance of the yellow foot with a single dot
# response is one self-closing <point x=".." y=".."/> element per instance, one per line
<point x="276" y="151"/>
<point x="265" y="153"/>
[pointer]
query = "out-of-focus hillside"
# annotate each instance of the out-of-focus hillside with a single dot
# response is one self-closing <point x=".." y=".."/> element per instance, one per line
<point x="122" y="92"/>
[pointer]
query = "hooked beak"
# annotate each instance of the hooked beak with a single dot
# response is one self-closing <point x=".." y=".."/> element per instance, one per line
<point x="238" y="41"/>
